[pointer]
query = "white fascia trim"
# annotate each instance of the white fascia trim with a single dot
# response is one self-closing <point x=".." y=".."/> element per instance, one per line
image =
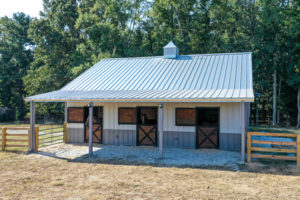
<point x="144" y="100"/>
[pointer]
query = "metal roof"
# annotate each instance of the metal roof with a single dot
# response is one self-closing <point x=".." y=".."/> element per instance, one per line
<point x="170" y="45"/>
<point x="192" y="78"/>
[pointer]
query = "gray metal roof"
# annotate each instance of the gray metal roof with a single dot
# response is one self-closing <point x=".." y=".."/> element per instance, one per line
<point x="192" y="78"/>
<point x="170" y="45"/>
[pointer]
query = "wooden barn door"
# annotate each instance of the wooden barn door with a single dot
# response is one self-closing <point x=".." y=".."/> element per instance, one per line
<point x="207" y="129"/>
<point x="97" y="125"/>
<point x="147" y="126"/>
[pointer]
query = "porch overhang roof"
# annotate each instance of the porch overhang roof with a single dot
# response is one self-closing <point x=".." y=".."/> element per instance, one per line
<point x="212" y="95"/>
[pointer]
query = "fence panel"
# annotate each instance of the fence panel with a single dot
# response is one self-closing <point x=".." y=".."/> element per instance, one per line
<point x="283" y="150"/>
<point x="1" y="137"/>
<point x="16" y="137"/>
<point x="50" y="134"/>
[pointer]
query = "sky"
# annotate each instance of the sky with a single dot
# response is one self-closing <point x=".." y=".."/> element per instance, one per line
<point x="29" y="7"/>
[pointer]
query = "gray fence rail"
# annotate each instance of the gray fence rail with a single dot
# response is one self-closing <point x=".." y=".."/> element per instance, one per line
<point x="50" y="134"/>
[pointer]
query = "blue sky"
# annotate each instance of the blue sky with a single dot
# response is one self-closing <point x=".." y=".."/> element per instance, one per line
<point x="29" y="7"/>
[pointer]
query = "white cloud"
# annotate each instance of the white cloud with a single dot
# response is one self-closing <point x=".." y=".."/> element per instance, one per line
<point x="29" y="7"/>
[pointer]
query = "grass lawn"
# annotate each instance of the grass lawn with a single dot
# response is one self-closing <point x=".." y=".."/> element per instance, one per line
<point x="33" y="176"/>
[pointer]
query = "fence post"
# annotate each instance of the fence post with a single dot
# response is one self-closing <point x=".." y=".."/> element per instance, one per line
<point x="249" y="147"/>
<point x="298" y="150"/>
<point x="36" y="138"/>
<point x="3" y="139"/>
<point x="29" y="140"/>
<point x="65" y="132"/>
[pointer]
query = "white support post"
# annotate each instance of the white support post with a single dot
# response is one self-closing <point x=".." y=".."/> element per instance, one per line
<point x="66" y="112"/>
<point x="160" y="128"/>
<point x="243" y="127"/>
<point x="91" y="128"/>
<point x="32" y="126"/>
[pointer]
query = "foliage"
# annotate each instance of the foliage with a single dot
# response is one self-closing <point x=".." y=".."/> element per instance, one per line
<point x="72" y="35"/>
<point x="15" y="58"/>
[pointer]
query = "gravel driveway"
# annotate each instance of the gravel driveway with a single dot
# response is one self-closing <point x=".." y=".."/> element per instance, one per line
<point x="146" y="155"/>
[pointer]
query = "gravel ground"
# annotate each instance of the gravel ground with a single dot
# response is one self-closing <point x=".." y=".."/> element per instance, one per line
<point x="146" y="155"/>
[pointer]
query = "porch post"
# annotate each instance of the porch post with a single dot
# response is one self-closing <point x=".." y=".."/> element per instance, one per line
<point x="160" y="128"/>
<point x="32" y="126"/>
<point x="243" y="127"/>
<point x="66" y="124"/>
<point x="91" y="128"/>
<point x="66" y="112"/>
<point x="248" y="116"/>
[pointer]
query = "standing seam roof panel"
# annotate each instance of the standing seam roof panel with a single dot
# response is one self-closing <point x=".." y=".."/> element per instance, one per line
<point x="191" y="68"/>
<point x="219" y="73"/>
<point x="202" y="74"/>
<point x="208" y="76"/>
<point x="195" y="70"/>
<point x="127" y="80"/>
<point x="197" y="75"/>
<point x="173" y="83"/>
<point x="118" y="81"/>
<point x="108" y="78"/>
<point x="166" y="75"/>
<point x="158" y="79"/>
<point x="169" y="76"/>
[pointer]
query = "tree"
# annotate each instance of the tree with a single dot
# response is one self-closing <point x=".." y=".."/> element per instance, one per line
<point x="15" y="58"/>
<point x="55" y="37"/>
<point x="72" y="35"/>
<point x="293" y="50"/>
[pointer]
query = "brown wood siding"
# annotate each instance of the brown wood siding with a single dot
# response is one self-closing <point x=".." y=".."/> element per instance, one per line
<point x="127" y="115"/>
<point x="207" y="137"/>
<point x="97" y="133"/>
<point x="147" y="135"/>
<point x="75" y="115"/>
<point x="185" y="116"/>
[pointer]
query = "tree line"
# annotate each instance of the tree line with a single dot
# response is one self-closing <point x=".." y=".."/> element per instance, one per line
<point x="42" y="54"/>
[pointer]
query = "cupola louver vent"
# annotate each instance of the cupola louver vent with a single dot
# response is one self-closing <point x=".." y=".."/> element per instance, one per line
<point x="170" y="50"/>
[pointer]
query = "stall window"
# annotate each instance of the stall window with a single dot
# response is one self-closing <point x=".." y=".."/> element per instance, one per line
<point x="75" y="115"/>
<point x="185" y="116"/>
<point x="147" y="115"/>
<point x="97" y="115"/>
<point x="127" y="116"/>
<point x="208" y="117"/>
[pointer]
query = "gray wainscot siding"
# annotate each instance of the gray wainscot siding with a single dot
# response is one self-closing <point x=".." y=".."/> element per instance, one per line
<point x="119" y="137"/>
<point x="75" y="133"/>
<point x="175" y="139"/>
<point x="230" y="141"/>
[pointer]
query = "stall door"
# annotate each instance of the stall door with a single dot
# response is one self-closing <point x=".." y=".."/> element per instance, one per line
<point x="207" y="129"/>
<point x="147" y="126"/>
<point x="97" y="125"/>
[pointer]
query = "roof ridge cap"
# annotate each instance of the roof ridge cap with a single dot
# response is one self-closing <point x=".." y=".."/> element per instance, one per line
<point x="207" y="54"/>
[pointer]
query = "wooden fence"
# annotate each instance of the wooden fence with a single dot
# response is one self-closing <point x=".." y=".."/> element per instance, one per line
<point x="18" y="140"/>
<point x="295" y="151"/>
